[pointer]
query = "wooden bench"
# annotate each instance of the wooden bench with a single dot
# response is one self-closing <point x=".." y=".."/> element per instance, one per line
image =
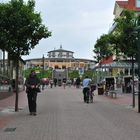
<point x="112" y="93"/>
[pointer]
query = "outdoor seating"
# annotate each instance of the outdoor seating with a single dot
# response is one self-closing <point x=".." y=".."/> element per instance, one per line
<point x="112" y="93"/>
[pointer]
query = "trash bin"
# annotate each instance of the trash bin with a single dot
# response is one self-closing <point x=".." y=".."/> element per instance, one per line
<point x="100" y="91"/>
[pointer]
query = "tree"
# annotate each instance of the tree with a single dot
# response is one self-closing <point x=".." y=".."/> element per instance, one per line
<point x="128" y="38"/>
<point x="123" y="40"/>
<point x="103" y="48"/>
<point x="88" y="73"/>
<point x="21" y="30"/>
<point x="125" y="27"/>
<point x="73" y="74"/>
<point x="40" y="73"/>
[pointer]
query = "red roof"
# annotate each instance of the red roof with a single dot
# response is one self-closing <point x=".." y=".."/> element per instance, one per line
<point x="130" y="5"/>
<point x="106" y="60"/>
<point x="122" y="4"/>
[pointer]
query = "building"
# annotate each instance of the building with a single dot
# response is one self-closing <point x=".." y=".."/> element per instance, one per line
<point x="61" y="61"/>
<point x="8" y="75"/>
<point x="122" y="5"/>
<point x="111" y="66"/>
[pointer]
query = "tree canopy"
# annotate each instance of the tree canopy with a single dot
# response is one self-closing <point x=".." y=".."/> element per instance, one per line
<point x="125" y="27"/>
<point x="21" y="27"/>
<point x="103" y="47"/>
<point x="123" y="40"/>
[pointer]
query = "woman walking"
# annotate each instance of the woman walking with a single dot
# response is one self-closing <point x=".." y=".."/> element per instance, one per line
<point x="32" y="85"/>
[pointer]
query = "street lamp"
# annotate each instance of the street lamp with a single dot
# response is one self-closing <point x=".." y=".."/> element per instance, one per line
<point x="137" y="31"/>
<point x="43" y="61"/>
<point x="138" y="46"/>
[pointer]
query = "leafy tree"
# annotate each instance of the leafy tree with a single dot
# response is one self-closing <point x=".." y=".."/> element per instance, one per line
<point x="22" y="27"/>
<point x="126" y="25"/>
<point x="123" y="40"/>
<point x="73" y="74"/>
<point x="40" y="73"/>
<point x="88" y="73"/>
<point x="103" y="48"/>
<point x="115" y="43"/>
<point x="21" y="30"/>
<point x="125" y="28"/>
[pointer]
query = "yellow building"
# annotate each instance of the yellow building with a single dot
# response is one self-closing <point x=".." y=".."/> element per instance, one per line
<point x="60" y="59"/>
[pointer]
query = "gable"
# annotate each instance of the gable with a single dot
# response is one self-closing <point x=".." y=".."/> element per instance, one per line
<point x="130" y="5"/>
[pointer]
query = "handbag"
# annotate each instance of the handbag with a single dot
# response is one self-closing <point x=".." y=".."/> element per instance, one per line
<point x="27" y="90"/>
<point x="37" y="89"/>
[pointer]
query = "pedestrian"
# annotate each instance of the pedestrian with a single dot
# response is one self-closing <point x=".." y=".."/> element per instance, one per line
<point x="78" y="82"/>
<point x="55" y="81"/>
<point x="86" y="88"/>
<point x="69" y="82"/>
<point x="32" y="84"/>
<point x="51" y="83"/>
<point x="13" y="84"/>
<point x="64" y="82"/>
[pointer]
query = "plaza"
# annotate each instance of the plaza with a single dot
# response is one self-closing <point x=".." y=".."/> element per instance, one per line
<point x="62" y="115"/>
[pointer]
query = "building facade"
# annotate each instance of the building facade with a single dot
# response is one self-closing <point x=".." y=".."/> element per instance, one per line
<point x="61" y="62"/>
<point x="122" y="66"/>
<point x="60" y="59"/>
<point x="8" y="75"/>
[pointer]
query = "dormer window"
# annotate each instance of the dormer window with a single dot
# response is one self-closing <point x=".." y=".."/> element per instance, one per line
<point x="67" y="54"/>
<point x="53" y="54"/>
<point x="60" y="54"/>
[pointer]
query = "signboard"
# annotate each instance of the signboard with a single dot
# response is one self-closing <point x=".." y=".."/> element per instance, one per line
<point x="0" y="55"/>
<point x="81" y="71"/>
<point x="137" y="3"/>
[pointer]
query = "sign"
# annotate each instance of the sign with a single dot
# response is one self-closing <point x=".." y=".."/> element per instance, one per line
<point x="81" y="71"/>
<point x="137" y="3"/>
<point x="0" y="55"/>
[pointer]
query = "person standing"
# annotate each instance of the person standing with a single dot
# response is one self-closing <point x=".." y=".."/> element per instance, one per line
<point x="32" y="83"/>
<point x="78" y="82"/>
<point x="51" y="83"/>
<point x="86" y="89"/>
<point x="55" y="81"/>
<point x="64" y="82"/>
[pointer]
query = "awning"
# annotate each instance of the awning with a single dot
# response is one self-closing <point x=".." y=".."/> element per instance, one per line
<point x="116" y="64"/>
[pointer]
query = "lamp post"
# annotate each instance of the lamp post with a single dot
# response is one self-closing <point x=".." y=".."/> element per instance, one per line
<point x="43" y="61"/>
<point x="137" y="30"/>
<point x="138" y="45"/>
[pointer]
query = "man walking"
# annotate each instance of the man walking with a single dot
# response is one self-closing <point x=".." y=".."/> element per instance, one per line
<point x="86" y="89"/>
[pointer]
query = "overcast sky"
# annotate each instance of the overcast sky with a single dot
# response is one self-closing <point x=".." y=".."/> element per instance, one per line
<point x="75" y="24"/>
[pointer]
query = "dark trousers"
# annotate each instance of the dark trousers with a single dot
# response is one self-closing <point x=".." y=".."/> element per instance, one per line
<point x="32" y="97"/>
<point x="86" y="94"/>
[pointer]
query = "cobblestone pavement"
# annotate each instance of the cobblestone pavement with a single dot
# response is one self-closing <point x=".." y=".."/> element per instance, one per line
<point x="62" y="115"/>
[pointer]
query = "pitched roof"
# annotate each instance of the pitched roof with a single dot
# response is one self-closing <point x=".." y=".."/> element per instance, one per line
<point x="107" y="60"/>
<point x="130" y="5"/>
<point x="122" y="4"/>
<point x="60" y="50"/>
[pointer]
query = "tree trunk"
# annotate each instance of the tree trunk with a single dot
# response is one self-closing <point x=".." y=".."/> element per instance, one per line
<point x="133" y="89"/>
<point x="16" y="85"/>
<point x="17" y="80"/>
<point x="3" y="62"/>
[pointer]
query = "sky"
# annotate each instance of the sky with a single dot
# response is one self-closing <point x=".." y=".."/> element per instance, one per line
<point x="75" y="24"/>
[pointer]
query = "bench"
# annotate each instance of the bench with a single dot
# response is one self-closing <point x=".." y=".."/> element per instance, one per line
<point x="112" y="93"/>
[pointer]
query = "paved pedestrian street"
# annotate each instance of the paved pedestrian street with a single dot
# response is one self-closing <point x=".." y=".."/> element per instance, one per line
<point x="62" y="115"/>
